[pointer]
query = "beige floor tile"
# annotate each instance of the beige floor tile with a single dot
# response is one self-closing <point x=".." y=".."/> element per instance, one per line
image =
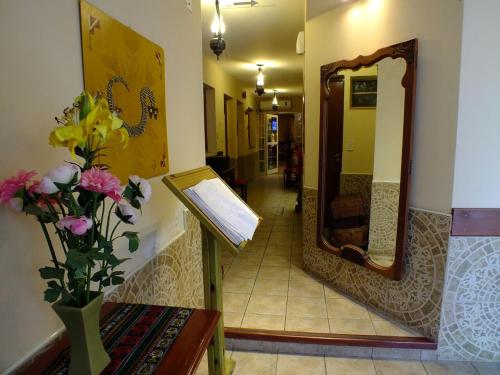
<point x="387" y="328"/>
<point x="349" y="366"/>
<point x="306" y="288"/>
<point x="271" y="287"/>
<point x="268" y="305"/>
<point x="352" y="326"/>
<point x="487" y="368"/>
<point x="374" y="315"/>
<point x="203" y="366"/>
<point x="282" y="235"/>
<point x="251" y="363"/>
<point x="274" y="273"/>
<point x="232" y="319"/>
<point x="298" y="273"/>
<point x="343" y="308"/>
<point x="243" y="271"/>
<point x="449" y="368"/>
<point x="297" y="261"/>
<point x="235" y="302"/>
<point x="280" y="242"/>
<point x="238" y="285"/>
<point x="247" y="260"/>
<point x="306" y="307"/>
<point x="332" y="293"/>
<point x="386" y="367"/>
<point x="275" y="250"/>
<point x="314" y="325"/>
<point x="276" y="260"/>
<point x="300" y="365"/>
<point x="261" y="321"/>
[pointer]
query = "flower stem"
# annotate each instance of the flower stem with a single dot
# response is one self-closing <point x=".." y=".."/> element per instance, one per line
<point x="49" y="242"/>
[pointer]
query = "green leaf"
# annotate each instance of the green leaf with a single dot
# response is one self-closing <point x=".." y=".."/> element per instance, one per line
<point x="77" y="259"/>
<point x="97" y="256"/>
<point x="53" y="284"/>
<point x="117" y="280"/>
<point x="51" y="273"/>
<point x="84" y="106"/>
<point x="51" y="295"/>
<point x="99" y="275"/>
<point x="133" y="241"/>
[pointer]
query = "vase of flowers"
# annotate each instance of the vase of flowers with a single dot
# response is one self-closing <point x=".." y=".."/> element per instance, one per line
<point x="74" y="204"/>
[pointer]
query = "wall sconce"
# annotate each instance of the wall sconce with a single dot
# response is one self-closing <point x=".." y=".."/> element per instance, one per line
<point x="259" y="86"/>
<point x="217" y="43"/>
<point x="274" y="103"/>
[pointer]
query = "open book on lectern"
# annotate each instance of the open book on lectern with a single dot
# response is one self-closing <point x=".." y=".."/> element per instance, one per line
<point x="232" y="216"/>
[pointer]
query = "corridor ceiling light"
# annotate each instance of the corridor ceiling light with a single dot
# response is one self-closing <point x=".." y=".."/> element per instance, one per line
<point x="217" y="43"/>
<point x="259" y="86"/>
<point x="274" y="103"/>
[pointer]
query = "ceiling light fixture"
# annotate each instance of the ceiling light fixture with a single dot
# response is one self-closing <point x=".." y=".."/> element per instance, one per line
<point x="274" y="103"/>
<point x="217" y="43"/>
<point x="259" y="86"/>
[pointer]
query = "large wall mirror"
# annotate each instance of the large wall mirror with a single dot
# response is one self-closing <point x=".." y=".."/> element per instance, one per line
<point x="365" y="157"/>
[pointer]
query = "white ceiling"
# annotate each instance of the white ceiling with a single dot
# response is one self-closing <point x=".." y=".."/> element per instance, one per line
<point x="318" y="7"/>
<point x="263" y="34"/>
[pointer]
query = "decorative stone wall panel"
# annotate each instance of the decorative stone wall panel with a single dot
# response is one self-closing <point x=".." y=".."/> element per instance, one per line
<point x="471" y="310"/>
<point x="415" y="300"/>
<point x="174" y="277"/>
<point x="384" y="211"/>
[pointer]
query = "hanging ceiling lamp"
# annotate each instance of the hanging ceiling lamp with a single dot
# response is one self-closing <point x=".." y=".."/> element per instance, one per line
<point x="217" y="43"/>
<point x="274" y="103"/>
<point x="259" y="86"/>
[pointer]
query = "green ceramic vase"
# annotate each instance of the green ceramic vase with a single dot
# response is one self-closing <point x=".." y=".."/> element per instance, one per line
<point x="88" y="356"/>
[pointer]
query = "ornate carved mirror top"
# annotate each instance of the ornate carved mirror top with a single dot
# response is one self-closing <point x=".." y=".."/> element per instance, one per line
<point x="365" y="157"/>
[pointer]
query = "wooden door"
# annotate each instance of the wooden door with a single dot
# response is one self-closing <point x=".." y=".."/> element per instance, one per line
<point x="333" y="130"/>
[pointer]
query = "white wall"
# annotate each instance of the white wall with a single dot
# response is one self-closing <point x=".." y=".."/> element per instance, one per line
<point x="477" y="177"/>
<point x="390" y="119"/>
<point x="41" y="72"/>
<point x="365" y="26"/>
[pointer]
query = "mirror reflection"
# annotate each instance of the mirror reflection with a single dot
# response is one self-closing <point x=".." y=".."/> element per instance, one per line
<point x="368" y="108"/>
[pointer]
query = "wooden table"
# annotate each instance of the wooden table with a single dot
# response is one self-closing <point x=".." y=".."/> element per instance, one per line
<point x="183" y="357"/>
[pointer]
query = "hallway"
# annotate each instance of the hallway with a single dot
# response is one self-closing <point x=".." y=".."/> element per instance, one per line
<point x="266" y="287"/>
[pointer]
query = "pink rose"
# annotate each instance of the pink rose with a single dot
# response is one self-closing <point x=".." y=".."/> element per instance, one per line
<point x="101" y="181"/>
<point x="10" y="186"/>
<point x="77" y="225"/>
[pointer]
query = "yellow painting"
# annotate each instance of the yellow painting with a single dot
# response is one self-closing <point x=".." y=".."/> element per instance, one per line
<point x="128" y="70"/>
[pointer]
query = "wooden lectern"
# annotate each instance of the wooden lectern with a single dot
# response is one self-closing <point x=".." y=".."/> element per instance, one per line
<point x="212" y="241"/>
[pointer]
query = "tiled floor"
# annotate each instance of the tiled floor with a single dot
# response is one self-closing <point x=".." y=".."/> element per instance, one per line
<point x="252" y="363"/>
<point x="265" y="287"/>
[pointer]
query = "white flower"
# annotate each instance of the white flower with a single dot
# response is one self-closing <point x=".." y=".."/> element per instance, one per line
<point x="127" y="213"/>
<point x="62" y="174"/>
<point x="144" y="187"/>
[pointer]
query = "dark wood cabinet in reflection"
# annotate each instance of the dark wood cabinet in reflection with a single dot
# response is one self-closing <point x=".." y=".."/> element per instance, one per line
<point x="365" y="157"/>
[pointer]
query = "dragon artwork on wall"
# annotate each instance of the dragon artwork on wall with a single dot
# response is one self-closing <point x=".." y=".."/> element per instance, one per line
<point x="129" y="71"/>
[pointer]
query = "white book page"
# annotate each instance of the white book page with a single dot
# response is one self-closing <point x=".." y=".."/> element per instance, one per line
<point x="229" y="209"/>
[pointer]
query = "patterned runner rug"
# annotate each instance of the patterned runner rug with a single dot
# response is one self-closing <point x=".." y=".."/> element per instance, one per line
<point x="136" y="337"/>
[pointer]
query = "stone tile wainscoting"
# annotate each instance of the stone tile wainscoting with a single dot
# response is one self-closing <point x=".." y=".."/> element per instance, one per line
<point x="384" y="211"/>
<point x="470" y="324"/>
<point x="414" y="301"/>
<point x="173" y="277"/>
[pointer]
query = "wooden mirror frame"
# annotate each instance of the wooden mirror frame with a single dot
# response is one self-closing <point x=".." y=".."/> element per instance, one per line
<point x="407" y="51"/>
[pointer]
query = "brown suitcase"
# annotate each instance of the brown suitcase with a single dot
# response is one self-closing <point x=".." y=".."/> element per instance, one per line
<point x="345" y="206"/>
<point x="352" y="236"/>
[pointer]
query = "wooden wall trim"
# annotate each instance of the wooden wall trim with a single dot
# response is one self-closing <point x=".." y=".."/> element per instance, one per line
<point x="472" y="222"/>
<point x="394" y="342"/>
